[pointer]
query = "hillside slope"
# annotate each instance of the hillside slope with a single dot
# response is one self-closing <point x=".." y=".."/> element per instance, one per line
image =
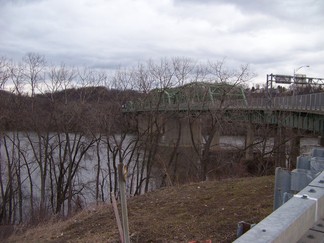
<point x="198" y="211"/>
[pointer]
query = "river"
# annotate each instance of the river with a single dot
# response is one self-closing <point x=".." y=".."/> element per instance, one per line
<point x="24" y="154"/>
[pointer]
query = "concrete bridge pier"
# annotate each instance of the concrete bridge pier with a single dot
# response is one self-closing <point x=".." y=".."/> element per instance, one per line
<point x="249" y="139"/>
<point x="215" y="143"/>
<point x="321" y="140"/>
<point x="182" y="131"/>
<point x="171" y="132"/>
<point x="147" y="124"/>
<point x="279" y="147"/>
<point x="294" y="150"/>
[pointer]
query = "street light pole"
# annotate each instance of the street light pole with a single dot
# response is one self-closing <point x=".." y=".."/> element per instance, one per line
<point x="295" y="72"/>
<point x="297" y="69"/>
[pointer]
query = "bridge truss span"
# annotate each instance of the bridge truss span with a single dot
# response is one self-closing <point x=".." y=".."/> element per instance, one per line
<point x="304" y="112"/>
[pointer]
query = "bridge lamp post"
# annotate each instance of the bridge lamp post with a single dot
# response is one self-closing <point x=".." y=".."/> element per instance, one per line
<point x="295" y="72"/>
<point x="297" y="69"/>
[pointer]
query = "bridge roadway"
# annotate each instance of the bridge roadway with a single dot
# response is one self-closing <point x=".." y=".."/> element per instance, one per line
<point x="305" y="112"/>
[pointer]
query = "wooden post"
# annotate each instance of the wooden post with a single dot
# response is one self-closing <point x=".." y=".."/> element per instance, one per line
<point x="119" y="224"/>
<point x="122" y="175"/>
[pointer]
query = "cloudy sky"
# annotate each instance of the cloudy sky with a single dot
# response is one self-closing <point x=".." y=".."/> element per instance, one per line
<point x="272" y="36"/>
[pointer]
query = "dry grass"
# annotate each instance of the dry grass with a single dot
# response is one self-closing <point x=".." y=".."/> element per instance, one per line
<point x="198" y="211"/>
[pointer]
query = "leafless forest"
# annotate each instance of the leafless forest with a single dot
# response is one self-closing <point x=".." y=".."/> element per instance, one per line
<point x="59" y="123"/>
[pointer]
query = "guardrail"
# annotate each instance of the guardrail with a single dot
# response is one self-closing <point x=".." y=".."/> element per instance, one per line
<point x="298" y="204"/>
<point x="294" y="220"/>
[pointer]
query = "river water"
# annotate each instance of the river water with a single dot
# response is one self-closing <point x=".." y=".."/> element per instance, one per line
<point x="18" y="146"/>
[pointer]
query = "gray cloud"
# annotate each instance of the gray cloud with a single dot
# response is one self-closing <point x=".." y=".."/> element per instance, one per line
<point x="269" y="35"/>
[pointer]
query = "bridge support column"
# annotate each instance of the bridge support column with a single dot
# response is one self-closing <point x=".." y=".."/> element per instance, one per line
<point x="321" y="140"/>
<point x="279" y="147"/>
<point x="249" y="142"/>
<point x="182" y="131"/>
<point x="171" y="132"/>
<point x="216" y="140"/>
<point x="191" y="132"/>
<point x="142" y="124"/>
<point x="147" y="126"/>
<point x="294" y="150"/>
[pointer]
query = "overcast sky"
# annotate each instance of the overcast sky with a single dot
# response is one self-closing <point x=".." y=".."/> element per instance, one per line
<point x="272" y="36"/>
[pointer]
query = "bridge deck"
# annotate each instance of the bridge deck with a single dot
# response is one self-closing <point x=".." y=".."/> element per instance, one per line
<point x="304" y="112"/>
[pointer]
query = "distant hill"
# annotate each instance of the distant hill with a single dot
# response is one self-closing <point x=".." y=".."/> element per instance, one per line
<point x="80" y="106"/>
<point x="92" y="94"/>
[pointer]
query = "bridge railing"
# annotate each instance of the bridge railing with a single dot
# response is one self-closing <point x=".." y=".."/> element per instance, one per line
<point x="259" y="103"/>
<point x="308" y="102"/>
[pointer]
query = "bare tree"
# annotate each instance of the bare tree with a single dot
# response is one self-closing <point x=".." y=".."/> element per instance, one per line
<point x="87" y="80"/>
<point x="122" y="79"/>
<point x="34" y="65"/>
<point x="17" y="78"/>
<point x="142" y="80"/>
<point x="225" y="86"/>
<point x="60" y="79"/>
<point x="183" y="70"/>
<point x="4" y="72"/>
<point x="7" y="187"/>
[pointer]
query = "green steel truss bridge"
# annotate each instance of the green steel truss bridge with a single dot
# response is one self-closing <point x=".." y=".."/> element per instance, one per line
<point x="304" y="112"/>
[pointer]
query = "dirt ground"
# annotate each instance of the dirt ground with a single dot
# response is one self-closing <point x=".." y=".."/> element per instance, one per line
<point x="199" y="211"/>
